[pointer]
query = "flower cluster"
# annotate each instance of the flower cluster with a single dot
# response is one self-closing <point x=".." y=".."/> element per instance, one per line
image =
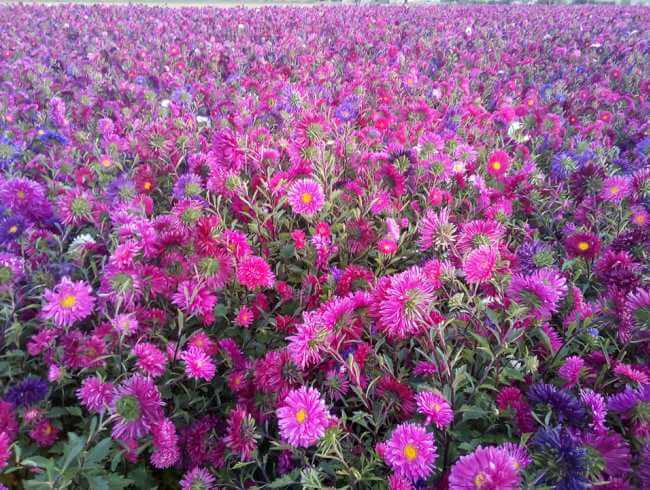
<point x="339" y="246"/>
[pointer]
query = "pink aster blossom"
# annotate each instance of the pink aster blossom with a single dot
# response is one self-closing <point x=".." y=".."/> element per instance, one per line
<point x="436" y="408"/>
<point x="241" y="437"/>
<point x="68" y="302"/>
<point x="571" y="369"/>
<point x="255" y="272"/>
<point x="308" y="344"/>
<point x="165" y="442"/>
<point x="136" y="407"/>
<point x="387" y="246"/>
<point x="306" y="197"/>
<point x="411" y="451"/>
<point x="498" y="163"/>
<point x="150" y="359"/>
<point x="487" y="468"/>
<point x="615" y="189"/>
<point x="479" y="264"/>
<point x="44" y="433"/>
<point x="95" y="394"/>
<point x="197" y="364"/>
<point x="303" y="417"/>
<point x="245" y="316"/>
<point x="197" y="479"/>
<point x="5" y="451"/>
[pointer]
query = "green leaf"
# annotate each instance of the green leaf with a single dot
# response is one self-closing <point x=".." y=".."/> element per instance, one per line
<point x="472" y="412"/>
<point x="97" y="482"/>
<point x="100" y="451"/>
<point x="71" y="450"/>
<point x="37" y="461"/>
<point x="283" y="481"/>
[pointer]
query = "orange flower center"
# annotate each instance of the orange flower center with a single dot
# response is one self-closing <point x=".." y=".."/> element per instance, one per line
<point x="306" y="198"/>
<point x="613" y="190"/>
<point x="13" y="229"/>
<point x="583" y="246"/>
<point x="301" y="416"/>
<point x="436" y="407"/>
<point x="106" y="163"/>
<point x="496" y="165"/>
<point x="147" y="186"/>
<point x="20" y="194"/>
<point x="68" y="301"/>
<point x="639" y="218"/>
<point x="410" y="452"/>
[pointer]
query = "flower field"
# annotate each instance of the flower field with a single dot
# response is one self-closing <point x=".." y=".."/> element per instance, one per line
<point x="331" y="247"/>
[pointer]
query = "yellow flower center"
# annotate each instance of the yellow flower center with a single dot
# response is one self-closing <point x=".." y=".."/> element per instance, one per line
<point x="68" y="301"/>
<point x="639" y="218"/>
<point x="48" y="430"/>
<point x="20" y="195"/>
<point x="306" y="197"/>
<point x="301" y="415"/>
<point x="479" y="480"/>
<point x="583" y="246"/>
<point x="410" y="452"/>
<point x="496" y="165"/>
<point x="106" y="163"/>
<point x="40" y="132"/>
<point x="613" y="189"/>
<point x="147" y="186"/>
<point x="436" y="407"/>
<point x="13" y="229"/>
<point x="458" y="167"/>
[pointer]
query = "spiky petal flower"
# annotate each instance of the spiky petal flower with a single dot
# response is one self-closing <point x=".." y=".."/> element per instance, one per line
<point x="5" y="452"/>
<point x="615" y="189"/>
<point x="540" y="291"/>
<point x="411" y="451"/>
<point x="404" y="304"/>
<point x="136" y="406"/>
<point x="582" y="244"/>
<point x="307" y="345"/>
<point x="435" y="407"/>
<point x="303" y="417"/>
<point x="571" y="369"/>
<point x="68" y="302"/>
<point x="28" y="392"/>
<point x="197" y="479"/>
<point x="498" y="163"/>
<point x="306" y="197"/>
<point x="487" y="468"/>
<point x="95" y="394"/>
<point x="564" y="457"/>
<point x="241" y="437"/>
<point x="479" y="264"/>
<point x="436" y="230"/>
<point x="254" y="272"/>
<point x="165" y="442"/>
<point x="198" y="364"/>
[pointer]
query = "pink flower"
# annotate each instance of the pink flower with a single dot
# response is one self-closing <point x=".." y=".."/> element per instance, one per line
<point x="303" y="417"/>
<point x="136" y="407"/>
<point x="197" y="479"/>
<point x="298" y="237"/>
<point x="197" y="364"/>
<point x="310" y="340"/>
<point x="306" y="197"/>
<point x="245" y="316"/>
<point x="5" y="452"/>
<point x="571" y="369"/>
<point x="68" y="302"/>
<point x="254" y="272"/>
<point x="95" y="394"/>
<point x="436" y="408"/>
<point x="151" y="360"/>
<point x="487" y="468"/>
<point x="240" y="435"/>
<point x="411" y="451"/>
<point x="479" y="264"/>
<point x="615" y="189"/>
<point x="125" y="324"/>
<point x="498" y="163"/>
<point x="44" y="433"/>
<point x="165" y="442"/>
<point x="387" y="246"/>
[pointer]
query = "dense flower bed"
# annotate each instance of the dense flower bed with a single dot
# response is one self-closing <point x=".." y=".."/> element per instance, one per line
<point x="324" y="247"/>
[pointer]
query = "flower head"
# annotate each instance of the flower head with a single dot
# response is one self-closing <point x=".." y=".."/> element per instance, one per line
<point x="411" y="451"/>
<point x="136" y="406"/>
<point x="197" y="479"/>
<point x="303" y="417"/>
<point x="95" y="394"/>
<point x="306" y="197"/>
<point x="254" y="272"/>
<point x="198" y="364"/>
<point x="435" y="407"/>
<point x="487" y="468"/>
<point x="68" y="302"/>
<point x="28" y="392"/>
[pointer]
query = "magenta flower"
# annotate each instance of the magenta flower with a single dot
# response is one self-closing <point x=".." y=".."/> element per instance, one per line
<point x="255" y="272"/>
<point x="582" y="244"/>
<point x="5" y="451"/>
<point x="95" y="394"/>
<point x="198" y="365"/>
<point x="136" y="406"/>
<point x="540" y="291"/>
<point x="479" y="264"/>
<point x="436" y="408"/>
<point x="306" y="197"/>
<point x="615" y="189"/>
<point x="487" y="468"/>
<point x="571" y="369"/>
<point x="68" y="302"/>
<point x="303" y="417"/>
<point x="411" y="451"/>
<point x="198" y="479"/>
<point x="498" y="163"/>
<point x="151" y="360"/>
